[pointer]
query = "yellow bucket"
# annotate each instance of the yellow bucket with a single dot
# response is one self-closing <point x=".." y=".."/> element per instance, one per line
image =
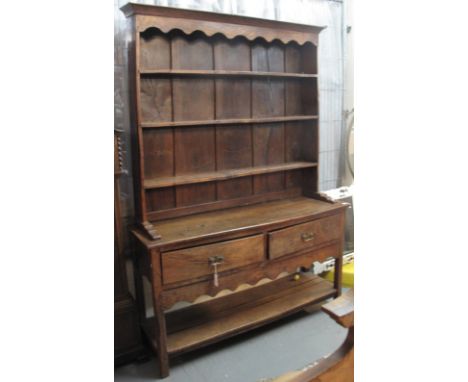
<point x="348" y="275"/>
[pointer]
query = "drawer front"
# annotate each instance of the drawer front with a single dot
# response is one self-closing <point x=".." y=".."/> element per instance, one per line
<point x="191" y="263"/>
<point x="303" y="236"/>
<point x="269" y="269"/>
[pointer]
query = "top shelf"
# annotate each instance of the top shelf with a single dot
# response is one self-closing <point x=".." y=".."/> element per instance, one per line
<point x="224" y="73"/>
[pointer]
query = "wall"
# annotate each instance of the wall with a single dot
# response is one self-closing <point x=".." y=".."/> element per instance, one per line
<point x="347" y="178"/>
<point x="331" y="62"/>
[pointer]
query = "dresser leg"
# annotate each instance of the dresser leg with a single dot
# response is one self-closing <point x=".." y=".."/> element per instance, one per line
<point x="163" y="358"/>
<point x="338" y="277"/>
<point x="160" y="319"/>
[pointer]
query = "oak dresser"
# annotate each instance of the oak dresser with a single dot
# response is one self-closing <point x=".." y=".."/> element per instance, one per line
<point x="225" y="145"/>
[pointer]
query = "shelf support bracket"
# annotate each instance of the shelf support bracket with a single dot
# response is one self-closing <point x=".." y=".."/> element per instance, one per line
<point x="150" y="230"/>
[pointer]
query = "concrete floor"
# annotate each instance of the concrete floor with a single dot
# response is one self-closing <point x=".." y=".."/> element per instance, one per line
<point x="285" y="345"/>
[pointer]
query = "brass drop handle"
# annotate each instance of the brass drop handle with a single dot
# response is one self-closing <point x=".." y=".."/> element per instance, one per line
<point x="214" y="261"/>
<point x="307" y="236"/>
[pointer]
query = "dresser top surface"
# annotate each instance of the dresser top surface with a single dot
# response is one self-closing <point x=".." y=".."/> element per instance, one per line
<point x="236" y="220"/>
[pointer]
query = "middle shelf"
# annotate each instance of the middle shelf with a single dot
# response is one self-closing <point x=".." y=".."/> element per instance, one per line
<point x="224" y="73"/>
<point x="230" y="121"/>
<point x="223" y="174"/>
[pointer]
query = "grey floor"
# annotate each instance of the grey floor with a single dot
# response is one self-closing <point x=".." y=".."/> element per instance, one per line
<point x="289" y="344"/>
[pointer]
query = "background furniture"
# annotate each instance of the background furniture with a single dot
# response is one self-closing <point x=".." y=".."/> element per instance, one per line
<point x="225" y="139"/>
<point x="127" y="338"/>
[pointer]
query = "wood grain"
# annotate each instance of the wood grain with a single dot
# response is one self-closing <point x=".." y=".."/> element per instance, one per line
<point x="154" y="51"/>
<point x="216" y="318"/>
<point x="193" y="99"/>
<point x="261" y="216"/>
<point x="224" y="204"/>
<point x="251" y="274"/>
<point x="224" y="73"/>
<point x="225" y="143"/>
<point x="230" y="121"/>
<point x="233" y="99"/>
<point x="226" y="174"/>
<point x="231" y="26"/>
<point x="155" y="96"/>
<point x="302" y="236"/>
<point x="194" y="262"/>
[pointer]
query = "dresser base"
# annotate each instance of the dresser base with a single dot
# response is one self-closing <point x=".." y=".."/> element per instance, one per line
<point x="211" y="321"/>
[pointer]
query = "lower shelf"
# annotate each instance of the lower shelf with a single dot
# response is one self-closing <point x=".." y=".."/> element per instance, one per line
<point x="208" y="322"/>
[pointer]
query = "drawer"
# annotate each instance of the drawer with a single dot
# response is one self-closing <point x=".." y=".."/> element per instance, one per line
<point x="303" y="236"/>
<point x="194" y="262"/>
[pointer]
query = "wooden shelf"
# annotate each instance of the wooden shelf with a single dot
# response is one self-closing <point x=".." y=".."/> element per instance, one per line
<point x="204" y="323"/>
<point x="238" y="121"/>
<point x="224" y="73"/>
<point x="224" y="174"/>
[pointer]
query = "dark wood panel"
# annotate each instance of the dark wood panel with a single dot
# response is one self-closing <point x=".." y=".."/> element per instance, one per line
<point x="193" y="194"/>
<point x="267" y="96"/>
<point x="194" y="150"/>
<point x="223" y="204"/>
<point x="293" y="98"/>
<point x="268" y="100"/>
<point x="155" y="98"/>
<point x="155" y="50"/>
<point x="233" y="143"/>
<point x="234" y="188"/>
<point x="293" y="179"/>
<point x="294" y="104"/>
<point x="232" y="54"/>
<point x="158" y="148"/>
<point x="191" y="52"/>
<point x="293" y="58"/>
<point x="267" y="57"/>
<point x="232" y="99"/>
<point x="309" y="58"/>
<point x="193" y="100"/>
<point x="310" y="97"/>
<point x="301" y="140"/>
<point x="268" y="150"/>
<point x="195" y="153"/>
<point x="310" y="182"/>
<point x="301" y="143"/>
<point x="268" y="183"/>
<point x="234" y="151"/>
<point x="160" y="199"/>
